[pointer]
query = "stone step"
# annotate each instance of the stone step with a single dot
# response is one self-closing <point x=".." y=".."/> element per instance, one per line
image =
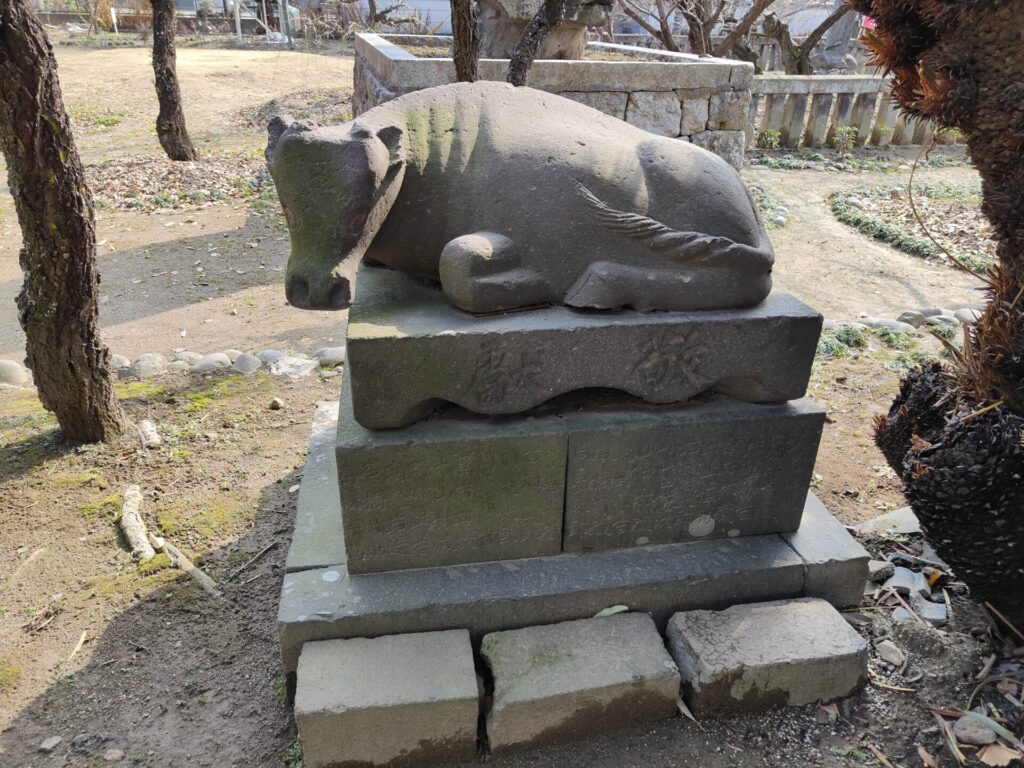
<point x="576" y="679"/>
<point x="406" y="699"/>
<point x="327" y="602"/>
<point x="512" y="362"/>
<point x="753" y="657"/>
<point x="460" y="489"/>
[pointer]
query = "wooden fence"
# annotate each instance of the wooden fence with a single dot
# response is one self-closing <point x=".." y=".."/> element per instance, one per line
<point x="807" y="110"/>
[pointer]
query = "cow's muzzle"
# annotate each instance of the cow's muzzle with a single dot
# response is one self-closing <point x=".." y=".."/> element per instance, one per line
<point x="333" y="293"/>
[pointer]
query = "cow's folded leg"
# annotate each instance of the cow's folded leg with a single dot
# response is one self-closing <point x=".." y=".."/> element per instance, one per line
<point x="480" y="272"/>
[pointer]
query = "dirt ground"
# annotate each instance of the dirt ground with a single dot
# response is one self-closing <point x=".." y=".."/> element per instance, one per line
<point x="140" y="666"/>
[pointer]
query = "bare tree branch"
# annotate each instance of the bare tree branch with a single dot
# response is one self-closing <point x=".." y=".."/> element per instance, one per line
<point x="743" y="27"/>
<point x="819" y="32"/>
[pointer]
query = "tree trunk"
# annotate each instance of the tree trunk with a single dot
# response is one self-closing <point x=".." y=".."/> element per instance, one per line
<point x="465" y="41"/>
<point x="637" y="14"/>
<point x="743" y="28"/>
<point x="546" y="19"/>
<point x="170" y="123"/>
<point x="57" y="304"/>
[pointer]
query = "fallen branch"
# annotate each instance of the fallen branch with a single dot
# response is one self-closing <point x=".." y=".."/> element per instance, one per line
<point x="182" y="562"/>
<point x="250" y="561"/>
<point x="133" y="527"/>
<point x="13" y="578"/>
<point x="81" y="642"/>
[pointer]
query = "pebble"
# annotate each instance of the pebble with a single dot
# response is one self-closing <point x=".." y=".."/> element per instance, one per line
<point x="113" y="755"/>
<point x="50" y="744"/>
<point x="889" y="653"/>
<point x="146" y="367"/>
<point x="233" y="354"/>
<point x="187" y="357"/>
<point x="780" y="221"/>
<point x="212" y="362"/>
<point x="80" y="741"/>
<point x="246" y="363"/>
<point x="933" y="613"/>
<point x="930" y="311"/>
<point x="902" y="520"/>
<point x="269" y="356"/>
<point x="895" y="325"/>
<point x="276" y="404"/>
<point x="912" y="317"/>
<point x="855" y="202"/>
<point x="829" y="325"/>
<point x="293" y="367"/>
<point x="330" y="356"/>
<point x="13" y="373"/>
<point x="901" y="615"/>
<point x="967" y="315"/>
<point x="117" y="362"/>
<point x="972" y="730"/>
<point x="880" y="570"/>
<point x="941" y="320"/>
<point x="178" y="366"/>
<point x="908" y="582"/>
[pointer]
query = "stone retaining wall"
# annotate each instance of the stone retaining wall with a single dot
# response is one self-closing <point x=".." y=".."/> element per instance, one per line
<point x="703" y="100"/>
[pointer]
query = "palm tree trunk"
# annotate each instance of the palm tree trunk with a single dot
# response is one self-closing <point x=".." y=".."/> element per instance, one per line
<point x="57" y="305"/>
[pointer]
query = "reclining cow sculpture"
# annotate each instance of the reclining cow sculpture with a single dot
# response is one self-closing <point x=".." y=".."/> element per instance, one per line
<point x="511" y="198"/>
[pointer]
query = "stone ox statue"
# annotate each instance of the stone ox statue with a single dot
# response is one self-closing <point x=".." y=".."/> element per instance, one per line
<point x="510" y="198"/>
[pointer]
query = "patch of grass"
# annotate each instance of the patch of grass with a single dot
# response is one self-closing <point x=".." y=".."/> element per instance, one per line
<point x="770" y="208"/>
<point x="212" y="390"/>
<point x="946" y="331"/>
<point x="107" y="508"/>
<point x="161" y="562"/>
<point x="293" y="757"/>
<point x="140" y="389"/>
<point x="829" y="346"/>
<point x="220" y="515"/>
<point x="280" y="689"/>
<point x="896" y="339"/>
<point x="904" y="363"/>
<point x="9" y="674"/>
<point x="90" y="477"/>
<point x="127" y="583"/>
<point x="768" y="138"/>
<point x="851" y="336"/>
<point x="95" y="118"/>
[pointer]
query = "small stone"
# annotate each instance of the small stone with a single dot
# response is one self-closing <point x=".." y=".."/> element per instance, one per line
<point x="912" y="317"/>
<point x="890" y="654"/>
<point x="276" y="404"/>
<point x="973" y="730"/>
<point x="113" y="755"/>
<point x="148" y="434"/>
<point x="941" y="320"/>
<point x="901" y="615"/>
<point x="930" y="311"/>
<point x="907" y="582"/>
<point x="210" y="363"/>
<point x="178" y="366"/>
<point x="329" y="357"/>
<point x="246" y="363"/>
<point x="117" y="362"/>
<point x="269" y="356"/>
<point x="780" y="221"/>
<point x="293" y="367"/>
<point x="902" y="521"/>
<point x="188" y="357"/>
<point x="79" y="741"/>
<point x="933" y="613"/>
<point x="880" y="570"/>
<point x="50" y="744"/>
<point x="233" y="354"/>
<point x="895" y="325"/>
<point x="146" y="367"/>
<point x="13" y="373"/>
<point x="829" y="325"/>
<point x="967" y="315"/>
<point x="854" y="202"/>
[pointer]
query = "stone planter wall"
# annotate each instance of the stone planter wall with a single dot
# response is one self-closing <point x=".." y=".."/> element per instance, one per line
<point x="671" y="94"/>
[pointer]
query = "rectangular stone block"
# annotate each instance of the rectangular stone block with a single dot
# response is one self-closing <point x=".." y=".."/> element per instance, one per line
<point x="729" y="145"/>
<point x="753" y="657"/>
<point x="317" y="539"/>
<point x="610" y="102"/>
<point x="837" y="565"/>
<point x="727" y="111"/>
<point x="714" y="469"/>
<point x="487" y="597"/>
<point x="447" y="491"/>
<point x="695" y="115"/>
<point x="514" y="362"/>
<point x="577" y="679"/>
<point x="399" y="700"/>
<point x="658" y="112"/>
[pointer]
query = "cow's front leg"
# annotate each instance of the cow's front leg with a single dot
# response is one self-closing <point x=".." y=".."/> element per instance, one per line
<point x="481" y="273"/>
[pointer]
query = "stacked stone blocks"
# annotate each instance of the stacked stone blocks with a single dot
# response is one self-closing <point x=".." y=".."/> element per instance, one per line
<point x="703" y="100"/>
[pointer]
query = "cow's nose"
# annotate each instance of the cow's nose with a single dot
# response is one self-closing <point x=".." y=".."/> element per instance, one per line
<point x="332" y="293"/>
<point x="296" y="290"/>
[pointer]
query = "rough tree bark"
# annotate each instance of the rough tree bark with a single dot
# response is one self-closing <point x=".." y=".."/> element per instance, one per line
<point x="796" y="59"/>
<point x="57" y="305"/>
<point x="170" y="122"/>
<point x="465" y="41"/>
<point x="546" y="19"/>
<point x="743" y="28"/>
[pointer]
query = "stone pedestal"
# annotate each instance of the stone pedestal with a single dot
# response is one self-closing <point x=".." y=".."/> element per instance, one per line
<point x="410" y="350"/>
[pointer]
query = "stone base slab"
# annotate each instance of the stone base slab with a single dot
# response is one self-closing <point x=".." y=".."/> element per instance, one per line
<point x="400" y="700"/>
<point x="753" y="657"/>
<point x="511" y="363"/>
<point x="459" y="489"/>
<point x="576" y="679"/>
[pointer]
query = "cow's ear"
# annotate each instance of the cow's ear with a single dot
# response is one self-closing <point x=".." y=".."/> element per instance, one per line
<point x="391" y="136"/>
